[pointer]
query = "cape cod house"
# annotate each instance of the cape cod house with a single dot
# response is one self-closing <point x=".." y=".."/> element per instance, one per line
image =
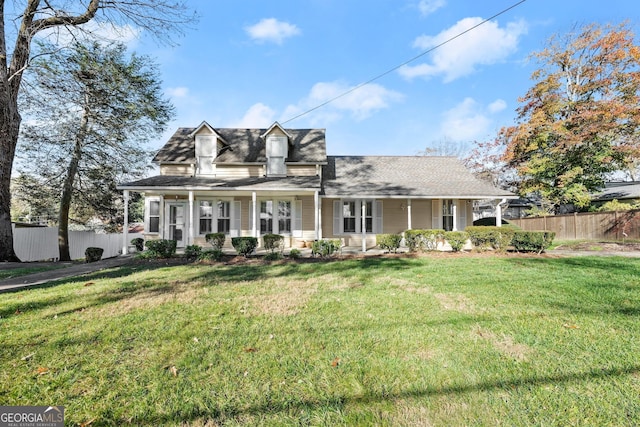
<point x="250" y="182"/>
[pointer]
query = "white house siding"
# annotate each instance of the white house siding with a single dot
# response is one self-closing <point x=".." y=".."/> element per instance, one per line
<point x="394" y="216"/>
<point x="239" y="171"/>
<point x="176" y="170"/>
<point x="421" y="214"/>
<point x="305" y="170"/>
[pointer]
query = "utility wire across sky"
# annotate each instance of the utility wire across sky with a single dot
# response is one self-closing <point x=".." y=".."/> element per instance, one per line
<point x="379" y="76"/>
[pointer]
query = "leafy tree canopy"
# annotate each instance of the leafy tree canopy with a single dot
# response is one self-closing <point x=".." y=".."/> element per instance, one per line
<point x="580" y="120"/>
<point x="91" y="109"/>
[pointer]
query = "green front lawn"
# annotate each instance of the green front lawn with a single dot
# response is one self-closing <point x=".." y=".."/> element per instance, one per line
<point x="441" y="340"/>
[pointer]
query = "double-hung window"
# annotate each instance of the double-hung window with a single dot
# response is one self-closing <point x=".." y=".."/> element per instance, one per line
<point x="224" y="217"/>
<point x="447" y="214"/>
<point x="280" y="217"/>
<point x="284" y="216"/>
<point x="356" y="216"/>
<point x="206" y="217"/>
<point x="368" y="217"/>
<point x="349" y="216"/>
<point x="266" y="217"/>
<point x="154" y="216"/>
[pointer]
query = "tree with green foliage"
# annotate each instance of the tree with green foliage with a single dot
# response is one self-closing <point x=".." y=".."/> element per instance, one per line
<point x="21" y="22"/>
<point x="92" y="108"/>
<point x="580" y="121"/>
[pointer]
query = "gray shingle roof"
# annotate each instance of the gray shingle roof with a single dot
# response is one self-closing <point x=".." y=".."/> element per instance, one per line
<point x="245" y="146"/>
<point x="417" y="176"/>
<point x="163" y="182"/>
<point x="619" y="191"/>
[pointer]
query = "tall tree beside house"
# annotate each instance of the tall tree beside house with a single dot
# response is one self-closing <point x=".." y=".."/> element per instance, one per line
<point x="91" y="108"/>
<point x="23" y="20"/>
<point x="580" y="120"/>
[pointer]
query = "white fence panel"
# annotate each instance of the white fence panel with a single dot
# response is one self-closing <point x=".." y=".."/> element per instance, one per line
<point x="37" y="244"/>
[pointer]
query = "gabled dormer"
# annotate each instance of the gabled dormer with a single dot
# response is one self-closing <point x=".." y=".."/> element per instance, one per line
<point x="208" y="144"/>
<point x="277" y="143"/>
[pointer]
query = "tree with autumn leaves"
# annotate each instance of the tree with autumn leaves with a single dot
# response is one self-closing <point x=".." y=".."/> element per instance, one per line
<point x="581" y="119"/>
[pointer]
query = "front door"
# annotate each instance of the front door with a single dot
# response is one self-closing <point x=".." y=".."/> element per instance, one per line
<point x="177" y="223"/>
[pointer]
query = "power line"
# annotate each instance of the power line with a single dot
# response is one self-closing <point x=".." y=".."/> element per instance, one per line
<point x="379" y="76"/>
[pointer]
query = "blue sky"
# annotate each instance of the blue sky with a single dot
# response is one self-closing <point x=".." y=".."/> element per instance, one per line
<point x="248" y="63"/>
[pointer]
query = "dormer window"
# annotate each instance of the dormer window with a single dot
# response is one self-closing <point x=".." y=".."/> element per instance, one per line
<point x="277" y="151"/>
<point x="205" y="154"/>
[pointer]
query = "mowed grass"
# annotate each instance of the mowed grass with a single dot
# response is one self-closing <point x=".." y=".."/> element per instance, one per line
<point x="395" y="341"/>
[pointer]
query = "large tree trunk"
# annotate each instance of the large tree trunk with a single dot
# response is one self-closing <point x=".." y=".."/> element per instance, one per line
<point x="67" y="189"/>
<point x="9" y="128"/>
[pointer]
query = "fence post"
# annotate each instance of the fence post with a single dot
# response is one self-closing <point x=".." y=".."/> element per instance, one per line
<point x="575" y="225"/>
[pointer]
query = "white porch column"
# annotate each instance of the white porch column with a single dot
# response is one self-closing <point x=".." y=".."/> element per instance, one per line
<point x="319" y="218"/>
<point x="499" y="213"/>
<point x="363" y="224"/>
<point x="190" y="237"/>
<point x="454" y="211"/>
<point x="316" y="220"/>
<point x="254" y="213"/>
<point x="125" y="226"/>
<point x="408" y="214"/>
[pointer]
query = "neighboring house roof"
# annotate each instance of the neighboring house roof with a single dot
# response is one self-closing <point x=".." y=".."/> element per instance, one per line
<point x="190" y="183"/>
<point x="245" y="146"/>
<point x="416" y="176"/>
<point x="619" y="191"/>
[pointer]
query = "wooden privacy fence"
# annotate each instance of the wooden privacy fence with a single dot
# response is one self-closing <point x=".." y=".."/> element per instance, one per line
<point x="587" y="225"/>
<point x="41" y="243"/>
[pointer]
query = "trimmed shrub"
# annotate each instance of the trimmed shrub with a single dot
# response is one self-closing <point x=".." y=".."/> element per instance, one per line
<point x="138" y="242"/>
<point x="244" y="245"/>
<point x="295" y="253"/>
<point x="273" y="242"/>
<point x="488" y="237"/>
<point x="216" y="240"/>
<point x="456" y="239"/>
<point x="423" y="240"/>
<point x="389" y="242"/>
<point x="491" y="222"/>
<point x="192" y="251"/>
<point x="93" y="254"/>
<point x="273" y="256"/>
<point x="325" y="248"/>
<point x="211" y="255"/>
<point x="532" y="241"/>
<point x="161" y="248"/>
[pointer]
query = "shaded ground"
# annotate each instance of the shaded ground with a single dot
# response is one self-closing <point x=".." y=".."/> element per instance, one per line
<point x="600" y="246"/>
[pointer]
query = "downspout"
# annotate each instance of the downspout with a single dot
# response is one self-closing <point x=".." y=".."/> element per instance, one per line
<point x="499" y="213"/>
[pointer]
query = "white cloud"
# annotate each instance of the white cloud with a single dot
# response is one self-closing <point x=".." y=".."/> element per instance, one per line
<point x="360" y="103"/>
<point x="257" y="116"/>
<point x="272" y="30"/>
<point x="177" y="92"/>
<point x="469" y="120"/>
<point x="484" y="45"/>
<point x="497" y="106"/>
<point x="427" y="7"/>
<point x="93" y="30"/>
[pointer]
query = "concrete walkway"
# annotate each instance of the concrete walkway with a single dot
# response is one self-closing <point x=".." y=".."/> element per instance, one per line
<point x="67" y="270"/>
